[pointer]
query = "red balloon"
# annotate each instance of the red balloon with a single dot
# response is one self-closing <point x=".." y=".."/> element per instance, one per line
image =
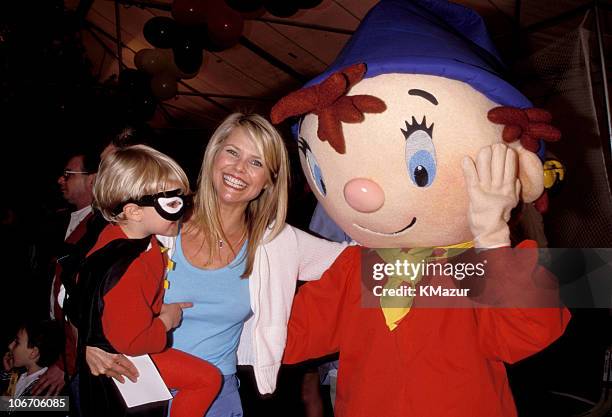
<point x="224" y="25"/>
<point x="190" y="12"/>
<point x="164" y="86"/>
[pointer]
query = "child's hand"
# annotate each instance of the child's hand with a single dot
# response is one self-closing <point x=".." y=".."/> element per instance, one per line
<point x="171" y="314"/>
<point x="7" y="361"/>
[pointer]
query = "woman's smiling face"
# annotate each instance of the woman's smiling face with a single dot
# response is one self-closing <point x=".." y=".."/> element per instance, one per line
<point x="239" y="171"/>
<point x="400" y="182"/>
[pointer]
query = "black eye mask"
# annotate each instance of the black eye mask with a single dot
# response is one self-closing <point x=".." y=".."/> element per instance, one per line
<point x="169" y="204"/>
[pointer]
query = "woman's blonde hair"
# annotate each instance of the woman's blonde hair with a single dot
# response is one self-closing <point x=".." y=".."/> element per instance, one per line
<point x="131" y="173"/>
<point x="269" y="209"/>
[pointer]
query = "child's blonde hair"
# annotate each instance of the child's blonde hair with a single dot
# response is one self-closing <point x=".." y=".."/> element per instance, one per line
<point x="131" y="173"/>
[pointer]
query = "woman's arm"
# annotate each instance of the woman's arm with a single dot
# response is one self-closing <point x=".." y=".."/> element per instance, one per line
<point x="315" y="255"/>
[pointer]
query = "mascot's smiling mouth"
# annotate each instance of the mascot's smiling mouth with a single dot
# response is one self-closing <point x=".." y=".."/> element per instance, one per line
<point x="365" y="229"/>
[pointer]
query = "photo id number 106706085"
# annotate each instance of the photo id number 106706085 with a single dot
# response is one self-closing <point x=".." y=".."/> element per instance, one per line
<point x="34" y="404"/>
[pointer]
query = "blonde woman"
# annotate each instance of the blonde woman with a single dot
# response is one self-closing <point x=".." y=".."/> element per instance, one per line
<point x="237" y="261"/>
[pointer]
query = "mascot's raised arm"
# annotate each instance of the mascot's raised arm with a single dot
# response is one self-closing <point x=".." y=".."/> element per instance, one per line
<point x="413" y="139"/>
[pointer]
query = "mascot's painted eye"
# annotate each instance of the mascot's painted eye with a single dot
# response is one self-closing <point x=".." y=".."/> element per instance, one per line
<point x="313" y="166"/>
<point x="315" y="170"/>
<point x="420" y="153"/>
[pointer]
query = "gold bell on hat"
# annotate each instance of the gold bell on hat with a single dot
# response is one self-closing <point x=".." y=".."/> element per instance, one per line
<point x="554" y="174"/>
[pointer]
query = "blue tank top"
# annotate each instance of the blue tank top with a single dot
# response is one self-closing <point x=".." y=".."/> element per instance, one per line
<point x="221" y="304"/>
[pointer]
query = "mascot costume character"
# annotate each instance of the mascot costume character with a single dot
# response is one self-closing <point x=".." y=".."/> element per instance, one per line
<point x="413" y="139"/>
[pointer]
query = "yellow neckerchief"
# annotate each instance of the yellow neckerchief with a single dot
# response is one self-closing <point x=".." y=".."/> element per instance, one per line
<point x="395" y="308"/>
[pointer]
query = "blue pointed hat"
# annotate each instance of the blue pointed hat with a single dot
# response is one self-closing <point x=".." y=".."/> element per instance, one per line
<point x="433" y="37"/>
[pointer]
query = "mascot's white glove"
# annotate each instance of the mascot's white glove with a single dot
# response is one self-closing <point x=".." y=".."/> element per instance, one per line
<point x="493" y="189"/>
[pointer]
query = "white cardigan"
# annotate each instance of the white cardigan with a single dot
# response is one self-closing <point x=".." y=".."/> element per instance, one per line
<point x="291" y="255"/>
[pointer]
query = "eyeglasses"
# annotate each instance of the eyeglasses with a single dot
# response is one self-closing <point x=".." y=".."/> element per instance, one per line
<point x="67" y="173"/>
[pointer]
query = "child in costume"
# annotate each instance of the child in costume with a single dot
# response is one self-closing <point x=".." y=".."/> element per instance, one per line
<point x="141" y="192"/>
<point x="413" y="139"/>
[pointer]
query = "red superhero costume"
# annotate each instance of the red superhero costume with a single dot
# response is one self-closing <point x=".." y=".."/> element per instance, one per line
<point x="126" y="321"/>
<point x="437" y="362"/>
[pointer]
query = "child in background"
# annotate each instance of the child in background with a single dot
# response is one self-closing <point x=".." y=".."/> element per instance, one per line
<point x="36" y="346"/>
<point x="140" y="191"/>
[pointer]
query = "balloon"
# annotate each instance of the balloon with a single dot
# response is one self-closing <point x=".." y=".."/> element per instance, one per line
<point x="224" y="28"/>
<point x="245" y="6"/>
<point x="188" y="62"/>
<point x="189" y="12"/>
<point x="174" y="69"/>
<point x="139" y="58"/>
<point x="164" y="86"/>
<point x="190" y="38"/>
<point x="185" y="76"/>
<point x="308" y="4"/>
<point x="187" y="48"/>
<point x="159" y="31"/>
<point x="281" y="8"/>
<point x="153" y="61"/>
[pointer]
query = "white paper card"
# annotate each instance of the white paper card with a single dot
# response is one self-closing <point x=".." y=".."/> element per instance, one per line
<point x="148" y="388"/>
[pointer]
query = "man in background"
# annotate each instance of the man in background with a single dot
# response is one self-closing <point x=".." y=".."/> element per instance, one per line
<point x="81" y="232"/>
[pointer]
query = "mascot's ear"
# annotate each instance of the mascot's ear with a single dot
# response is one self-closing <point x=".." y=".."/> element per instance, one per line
<point x="531" y="173"/>
<point x="524" y="129"/>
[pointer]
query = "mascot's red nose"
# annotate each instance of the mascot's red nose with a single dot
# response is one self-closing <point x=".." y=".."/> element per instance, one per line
<point x="364" y="195"/>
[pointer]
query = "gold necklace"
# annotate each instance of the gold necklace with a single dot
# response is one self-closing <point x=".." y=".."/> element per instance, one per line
<point x="221" y="242"/>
